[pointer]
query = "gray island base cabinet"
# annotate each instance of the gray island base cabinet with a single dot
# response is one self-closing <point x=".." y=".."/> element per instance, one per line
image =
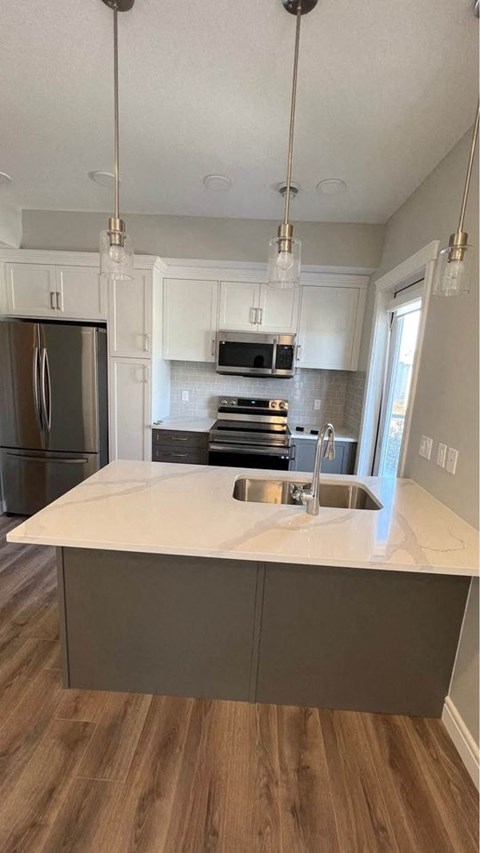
<point x="352" y="639"/>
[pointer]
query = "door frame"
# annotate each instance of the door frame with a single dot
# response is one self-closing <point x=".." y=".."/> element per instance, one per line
<point x="419" y="266"/>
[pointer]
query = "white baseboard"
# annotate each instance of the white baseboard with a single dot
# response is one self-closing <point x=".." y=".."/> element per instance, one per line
<point x="463" y="741"/>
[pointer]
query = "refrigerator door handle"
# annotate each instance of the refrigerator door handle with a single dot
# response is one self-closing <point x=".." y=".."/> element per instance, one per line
<point x="36" y="395"/>
<point x="46" y="389"/>
<point x="45" y="459"/>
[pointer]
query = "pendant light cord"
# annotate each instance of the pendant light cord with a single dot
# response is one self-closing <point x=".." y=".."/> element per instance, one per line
<point x="469" y="172"/>
<point x="286" y="216"/>
<point x="116" y="111"/>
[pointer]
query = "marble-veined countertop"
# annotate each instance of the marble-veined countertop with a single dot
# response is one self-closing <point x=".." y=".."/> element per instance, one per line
<point x="189" y="509"/>
<point x="185" y="424"/>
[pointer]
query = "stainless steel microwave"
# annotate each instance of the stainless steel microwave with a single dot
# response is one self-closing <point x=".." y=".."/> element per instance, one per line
<point x="255" y="354"/>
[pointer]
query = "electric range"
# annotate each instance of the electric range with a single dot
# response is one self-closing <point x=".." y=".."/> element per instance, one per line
<point x="251" y="433"/>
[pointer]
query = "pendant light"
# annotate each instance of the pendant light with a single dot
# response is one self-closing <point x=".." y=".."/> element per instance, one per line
<point x="284" y="256"/>
<point x="116" y="247"/>
<point x="454" y="261"/>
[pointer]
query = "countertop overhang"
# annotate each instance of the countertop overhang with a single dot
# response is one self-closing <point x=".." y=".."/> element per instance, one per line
<point x="160" y="508"/>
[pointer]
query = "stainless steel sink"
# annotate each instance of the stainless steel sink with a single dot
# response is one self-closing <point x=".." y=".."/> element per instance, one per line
<point x="342" y="495"/>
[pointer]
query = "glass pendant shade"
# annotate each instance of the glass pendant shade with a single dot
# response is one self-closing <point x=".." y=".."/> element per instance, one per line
<point x="284" y="263"/>
<point x="452" y="272"/>
<point x="116" y="256"/>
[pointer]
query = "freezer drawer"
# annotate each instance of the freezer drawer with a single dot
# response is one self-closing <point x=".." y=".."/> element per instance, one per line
<point x="33" y="479"/>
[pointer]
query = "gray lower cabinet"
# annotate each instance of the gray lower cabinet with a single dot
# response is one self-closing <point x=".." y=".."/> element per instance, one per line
<point x="304" y="456"/>
<point x="364" y="640"/>
<point x="359" y="639"/>
<point x="173" y="625"/>
<point x="180" y="446"/>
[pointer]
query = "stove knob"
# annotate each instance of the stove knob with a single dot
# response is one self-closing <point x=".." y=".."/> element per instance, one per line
<point x="224" y="402"/>
<point x="273" y="404"/>
<point x="233" y="402"/>
<point x="282" y="404"/>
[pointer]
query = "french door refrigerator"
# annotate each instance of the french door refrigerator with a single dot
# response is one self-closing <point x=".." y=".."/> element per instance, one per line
<point x="53" y="410"/>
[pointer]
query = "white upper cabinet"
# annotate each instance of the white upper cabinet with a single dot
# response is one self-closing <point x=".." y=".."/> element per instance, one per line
<point x="238" y="306"/>
<point x="189" y="319"/>
<point x="255" y="307"/>
<point x="278" y="310"/>
<point x="331" y="321"/>
<point x="82" y="293"/>
<point x="130" y="311"/>
<point x="30" y="290"/>
<point x="61" y="292"/>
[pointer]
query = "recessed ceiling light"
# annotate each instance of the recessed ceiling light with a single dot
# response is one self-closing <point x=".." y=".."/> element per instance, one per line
<point x="105" y="179"/>
<point x="331" y="186"/>
<point x="4" y="178"/>
<point x="294" y="189"/>
<point x="217" y="183"/>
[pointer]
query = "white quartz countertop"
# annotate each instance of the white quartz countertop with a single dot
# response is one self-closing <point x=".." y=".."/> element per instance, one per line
<point x="186" y="424"/>
<point x="189" y="509"/>
<point x="341" y="434"/>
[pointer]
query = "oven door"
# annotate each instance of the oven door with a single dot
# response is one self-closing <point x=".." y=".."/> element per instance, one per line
<point x="243" y="456"/>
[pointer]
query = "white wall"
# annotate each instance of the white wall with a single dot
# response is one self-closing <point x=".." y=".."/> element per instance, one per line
<point x="325" y="243"/>
<point x="446" y="403"/>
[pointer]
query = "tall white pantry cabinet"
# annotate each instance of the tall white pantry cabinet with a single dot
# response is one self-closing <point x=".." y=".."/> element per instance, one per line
<point x="67" y="286"/>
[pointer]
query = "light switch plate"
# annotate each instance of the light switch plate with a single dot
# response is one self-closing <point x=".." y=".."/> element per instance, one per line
<point x="441" y="454"/>
<point x="185" y="396"/>
<point x="317" y="405"/>
<point x="452" y="458"/>
<point x="425" y="448"/>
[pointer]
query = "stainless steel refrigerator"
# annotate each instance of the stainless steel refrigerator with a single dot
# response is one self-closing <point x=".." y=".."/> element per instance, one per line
<point x="53" y="410"/>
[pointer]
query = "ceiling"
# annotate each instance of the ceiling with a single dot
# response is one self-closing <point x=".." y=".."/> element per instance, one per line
<point x="386" y="88"/>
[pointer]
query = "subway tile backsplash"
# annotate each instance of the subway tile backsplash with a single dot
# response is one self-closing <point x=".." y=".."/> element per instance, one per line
<point x="337" y="390"/>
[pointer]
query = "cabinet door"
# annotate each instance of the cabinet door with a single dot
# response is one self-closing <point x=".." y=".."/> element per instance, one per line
<point x="81" y="293"/>
<point x="130" y="433"/>
<point x="304" y="455"/>
<point x="238" y="303"/>
<point x="130" y="314"/>
<point x="31" y="290"/>
<point x="278" y="310"/>
<point x="330" y="322"/>
<point x="189" y="319"/>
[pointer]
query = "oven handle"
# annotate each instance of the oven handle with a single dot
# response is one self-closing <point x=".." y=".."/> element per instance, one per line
<point x="282" y="452"/>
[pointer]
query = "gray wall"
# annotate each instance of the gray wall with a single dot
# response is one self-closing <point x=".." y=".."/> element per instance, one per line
<point x="446" y="403"/>
<point x="324" y="243"/>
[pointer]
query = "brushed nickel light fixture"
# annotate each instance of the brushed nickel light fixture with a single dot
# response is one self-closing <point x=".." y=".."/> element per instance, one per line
<point x="454" y="261"/>
<point x="284" y="256"/>
<point x="116" y="247"/>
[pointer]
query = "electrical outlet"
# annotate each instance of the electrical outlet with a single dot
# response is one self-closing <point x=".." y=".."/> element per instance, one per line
<point x="317" y="405"/>
<point x="441" y="454"/>
<point x="452" y="458"/>
<point x="185" y="396"/>
<point x="425" y="448"/>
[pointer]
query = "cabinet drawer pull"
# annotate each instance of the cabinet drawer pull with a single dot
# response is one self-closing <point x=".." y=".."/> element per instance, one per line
<point x="179" y="454"/>
<point x="299" y="357"/>
<point x="179" y="438"/>
<point x="146" y="378"/>
<point x="53" y="305"/>
<point x="253" y="316"/>
<point x="59" y="300"/>
<point x="212" y="351"/>
<point x="260" y="316"/>
<point x="146" y="345"/>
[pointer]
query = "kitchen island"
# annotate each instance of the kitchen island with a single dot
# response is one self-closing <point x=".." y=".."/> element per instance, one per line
<point x="167" y="584"/>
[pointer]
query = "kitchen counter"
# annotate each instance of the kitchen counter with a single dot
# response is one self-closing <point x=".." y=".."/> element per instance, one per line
<point x="177" y="509"/>
<point x="341" y="434"/>
<point x="185" y="424"/>
<point x="168" y="585"/>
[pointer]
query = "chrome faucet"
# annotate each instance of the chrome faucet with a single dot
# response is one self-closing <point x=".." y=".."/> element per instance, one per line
<point x="310" y="495"/>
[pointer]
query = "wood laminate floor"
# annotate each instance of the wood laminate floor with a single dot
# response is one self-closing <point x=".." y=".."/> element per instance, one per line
<point x="112" y="772"/>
